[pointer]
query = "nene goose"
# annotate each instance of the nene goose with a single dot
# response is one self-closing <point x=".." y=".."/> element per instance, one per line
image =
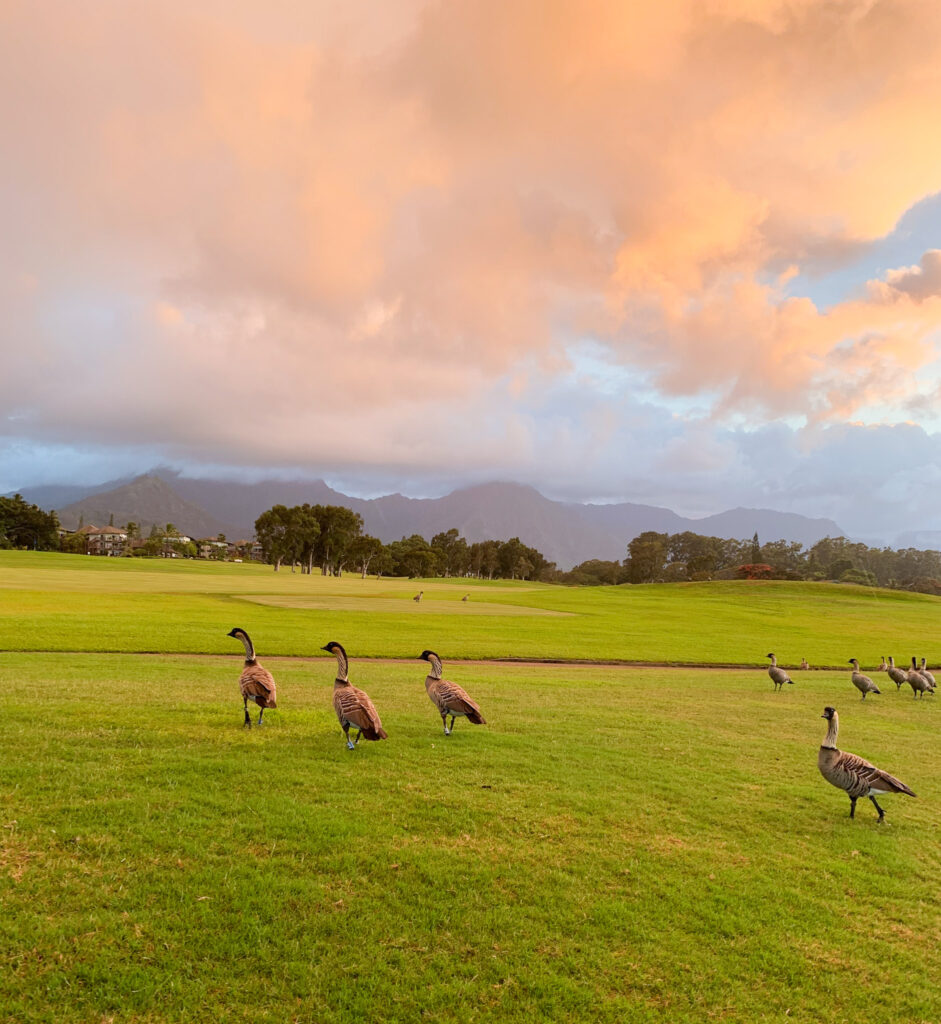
<point x="466" y="597"/>
<point x="897" y="675"/>
<point x="778" y="676"/>
<point x="256" y="683"/>
<point x="883" y="666"/>
<point x="851" y="773"/>
<point x="418" y="596"/>
<point x="862" y="683"/>
<point x="924" y="671"/>
<point x="917" y="681"/>
<point x="805" y="663"/>
<point x="353" y="707"/>
<point x="447" y="697"/>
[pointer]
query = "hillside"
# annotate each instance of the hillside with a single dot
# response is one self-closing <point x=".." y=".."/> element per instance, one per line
<point x="566" y="532"/>
<point x="148" y="500"/>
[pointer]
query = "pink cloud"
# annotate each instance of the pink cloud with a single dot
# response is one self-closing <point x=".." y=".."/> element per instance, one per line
<point x="380" y="217"/>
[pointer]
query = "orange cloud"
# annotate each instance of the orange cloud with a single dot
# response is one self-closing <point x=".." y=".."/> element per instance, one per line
<point x="346" y="210"/>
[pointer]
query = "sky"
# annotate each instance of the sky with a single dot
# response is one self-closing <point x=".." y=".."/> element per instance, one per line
<point x="684" y="253"/>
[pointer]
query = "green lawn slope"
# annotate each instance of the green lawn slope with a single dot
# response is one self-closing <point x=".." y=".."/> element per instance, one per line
<point x="60" y="602"/>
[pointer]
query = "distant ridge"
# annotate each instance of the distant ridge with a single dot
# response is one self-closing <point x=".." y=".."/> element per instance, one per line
<point x="147" y="500"/>
<point x="566" y="532"/>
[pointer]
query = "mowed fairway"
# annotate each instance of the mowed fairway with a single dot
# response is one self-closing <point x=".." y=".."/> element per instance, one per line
<point x="617" y="844"/>
<point x="52" y="602"/>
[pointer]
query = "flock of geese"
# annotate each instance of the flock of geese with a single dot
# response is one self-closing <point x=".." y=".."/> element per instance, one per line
<point x="918" y="678"/>
<point x="354" y="710"/>
<point x="353" y="707"/>
<point x="849" y="772"/>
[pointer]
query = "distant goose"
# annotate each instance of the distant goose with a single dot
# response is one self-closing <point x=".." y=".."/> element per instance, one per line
<point x="883" y="666"/>
<point x="924" y="671"/>
<point x="805" y="663"/>
<point x="353" y="707"/>
<point x="418" y="596"/>
<point x="862" y="683"/>
<point x="778" y="676"/>
<point x="447" y="697"/>
<point x="897" y="675"/>
<point x="851" y="773"/>
<point x="256" y="683"/>
<point x="466" y="597"/>
<point x="917" y="681"/>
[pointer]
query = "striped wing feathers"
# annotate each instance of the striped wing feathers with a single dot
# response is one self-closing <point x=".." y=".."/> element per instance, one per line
<point x="355" y="707"/>
<point x="450" y="697"/>
<point x="867" y="773"/>
<point x="256" y="681"/>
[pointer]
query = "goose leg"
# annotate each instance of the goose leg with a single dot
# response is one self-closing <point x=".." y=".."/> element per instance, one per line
<point x="346" y="732"/>
<point x="248" y="721"/>
<point x="453" y="720"/>
<point x="444" y="722"/>
<point x="260" y="713"/>
<point x="878" y="808"/>
<point x="359" y="736"/>
<point x="852" y="806"/>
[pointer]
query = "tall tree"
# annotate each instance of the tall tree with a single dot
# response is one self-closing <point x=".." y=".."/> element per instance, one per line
<point x="648" y="553"/>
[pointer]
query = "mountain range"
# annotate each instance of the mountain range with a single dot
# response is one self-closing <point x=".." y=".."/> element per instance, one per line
<point x="565" y="532"/>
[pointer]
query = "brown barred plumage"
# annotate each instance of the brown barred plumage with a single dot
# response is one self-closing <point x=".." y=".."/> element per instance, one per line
<point x="851" y="773"/>
<point x="778" y="675"/>
<point x="449" y="698"/>
<point x="256" y="683"/>
<point x="897" y="675"/>
<point x="352" y="705"/>
<point x="862" y="683"/>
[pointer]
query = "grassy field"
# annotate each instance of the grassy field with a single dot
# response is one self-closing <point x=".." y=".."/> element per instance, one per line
<point x="617" y="844"/>
<point x="52" y="602"/>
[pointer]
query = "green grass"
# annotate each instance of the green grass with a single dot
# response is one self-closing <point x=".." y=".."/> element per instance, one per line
<point x="75" y="603"/>
<point x="615" y="845"/>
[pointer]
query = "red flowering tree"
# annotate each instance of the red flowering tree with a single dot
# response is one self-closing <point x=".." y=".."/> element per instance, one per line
<point x="754" y="571"/>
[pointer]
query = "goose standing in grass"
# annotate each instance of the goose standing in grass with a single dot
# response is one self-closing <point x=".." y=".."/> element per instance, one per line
<point x="447" y="697"/>
<point x="419" y="595"/>
<point x="256" y="682"/>
<point x="897" y="675"/>
<point x="778" y="676"/>
<point x="466" y="597"/>
<point x="353" y="707"/>
<point x="883" y="666"/>
<point x="917" y="681"/>
<point x="924" y="671"/>
<point x="862" y="683"/>
<point x="851" y="773"/>
<point x="805" y="663"/>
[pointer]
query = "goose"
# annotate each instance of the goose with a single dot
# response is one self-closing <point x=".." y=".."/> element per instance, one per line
<point x="924" y="671"/>
<point x="897" y="675"/>
<point x="883" y="666"/>
<point x="447" y="697"/>
<point x="466" y="597"/>
<point x="862" y="683"/>
<point x="418" y="596"/>
<point x="353" y="707"/>
<point x="917" y="681"/>
<point x="805" y="663"/>
<point x="256" y="682"/>
<point x="851" y="773"/>
<point x="778" y="676"/>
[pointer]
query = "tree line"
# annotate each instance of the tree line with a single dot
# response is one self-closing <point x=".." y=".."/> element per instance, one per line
<point x="331" y="538"/>
<point x="23" y="525"/>
<point x="682" y="557"/>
